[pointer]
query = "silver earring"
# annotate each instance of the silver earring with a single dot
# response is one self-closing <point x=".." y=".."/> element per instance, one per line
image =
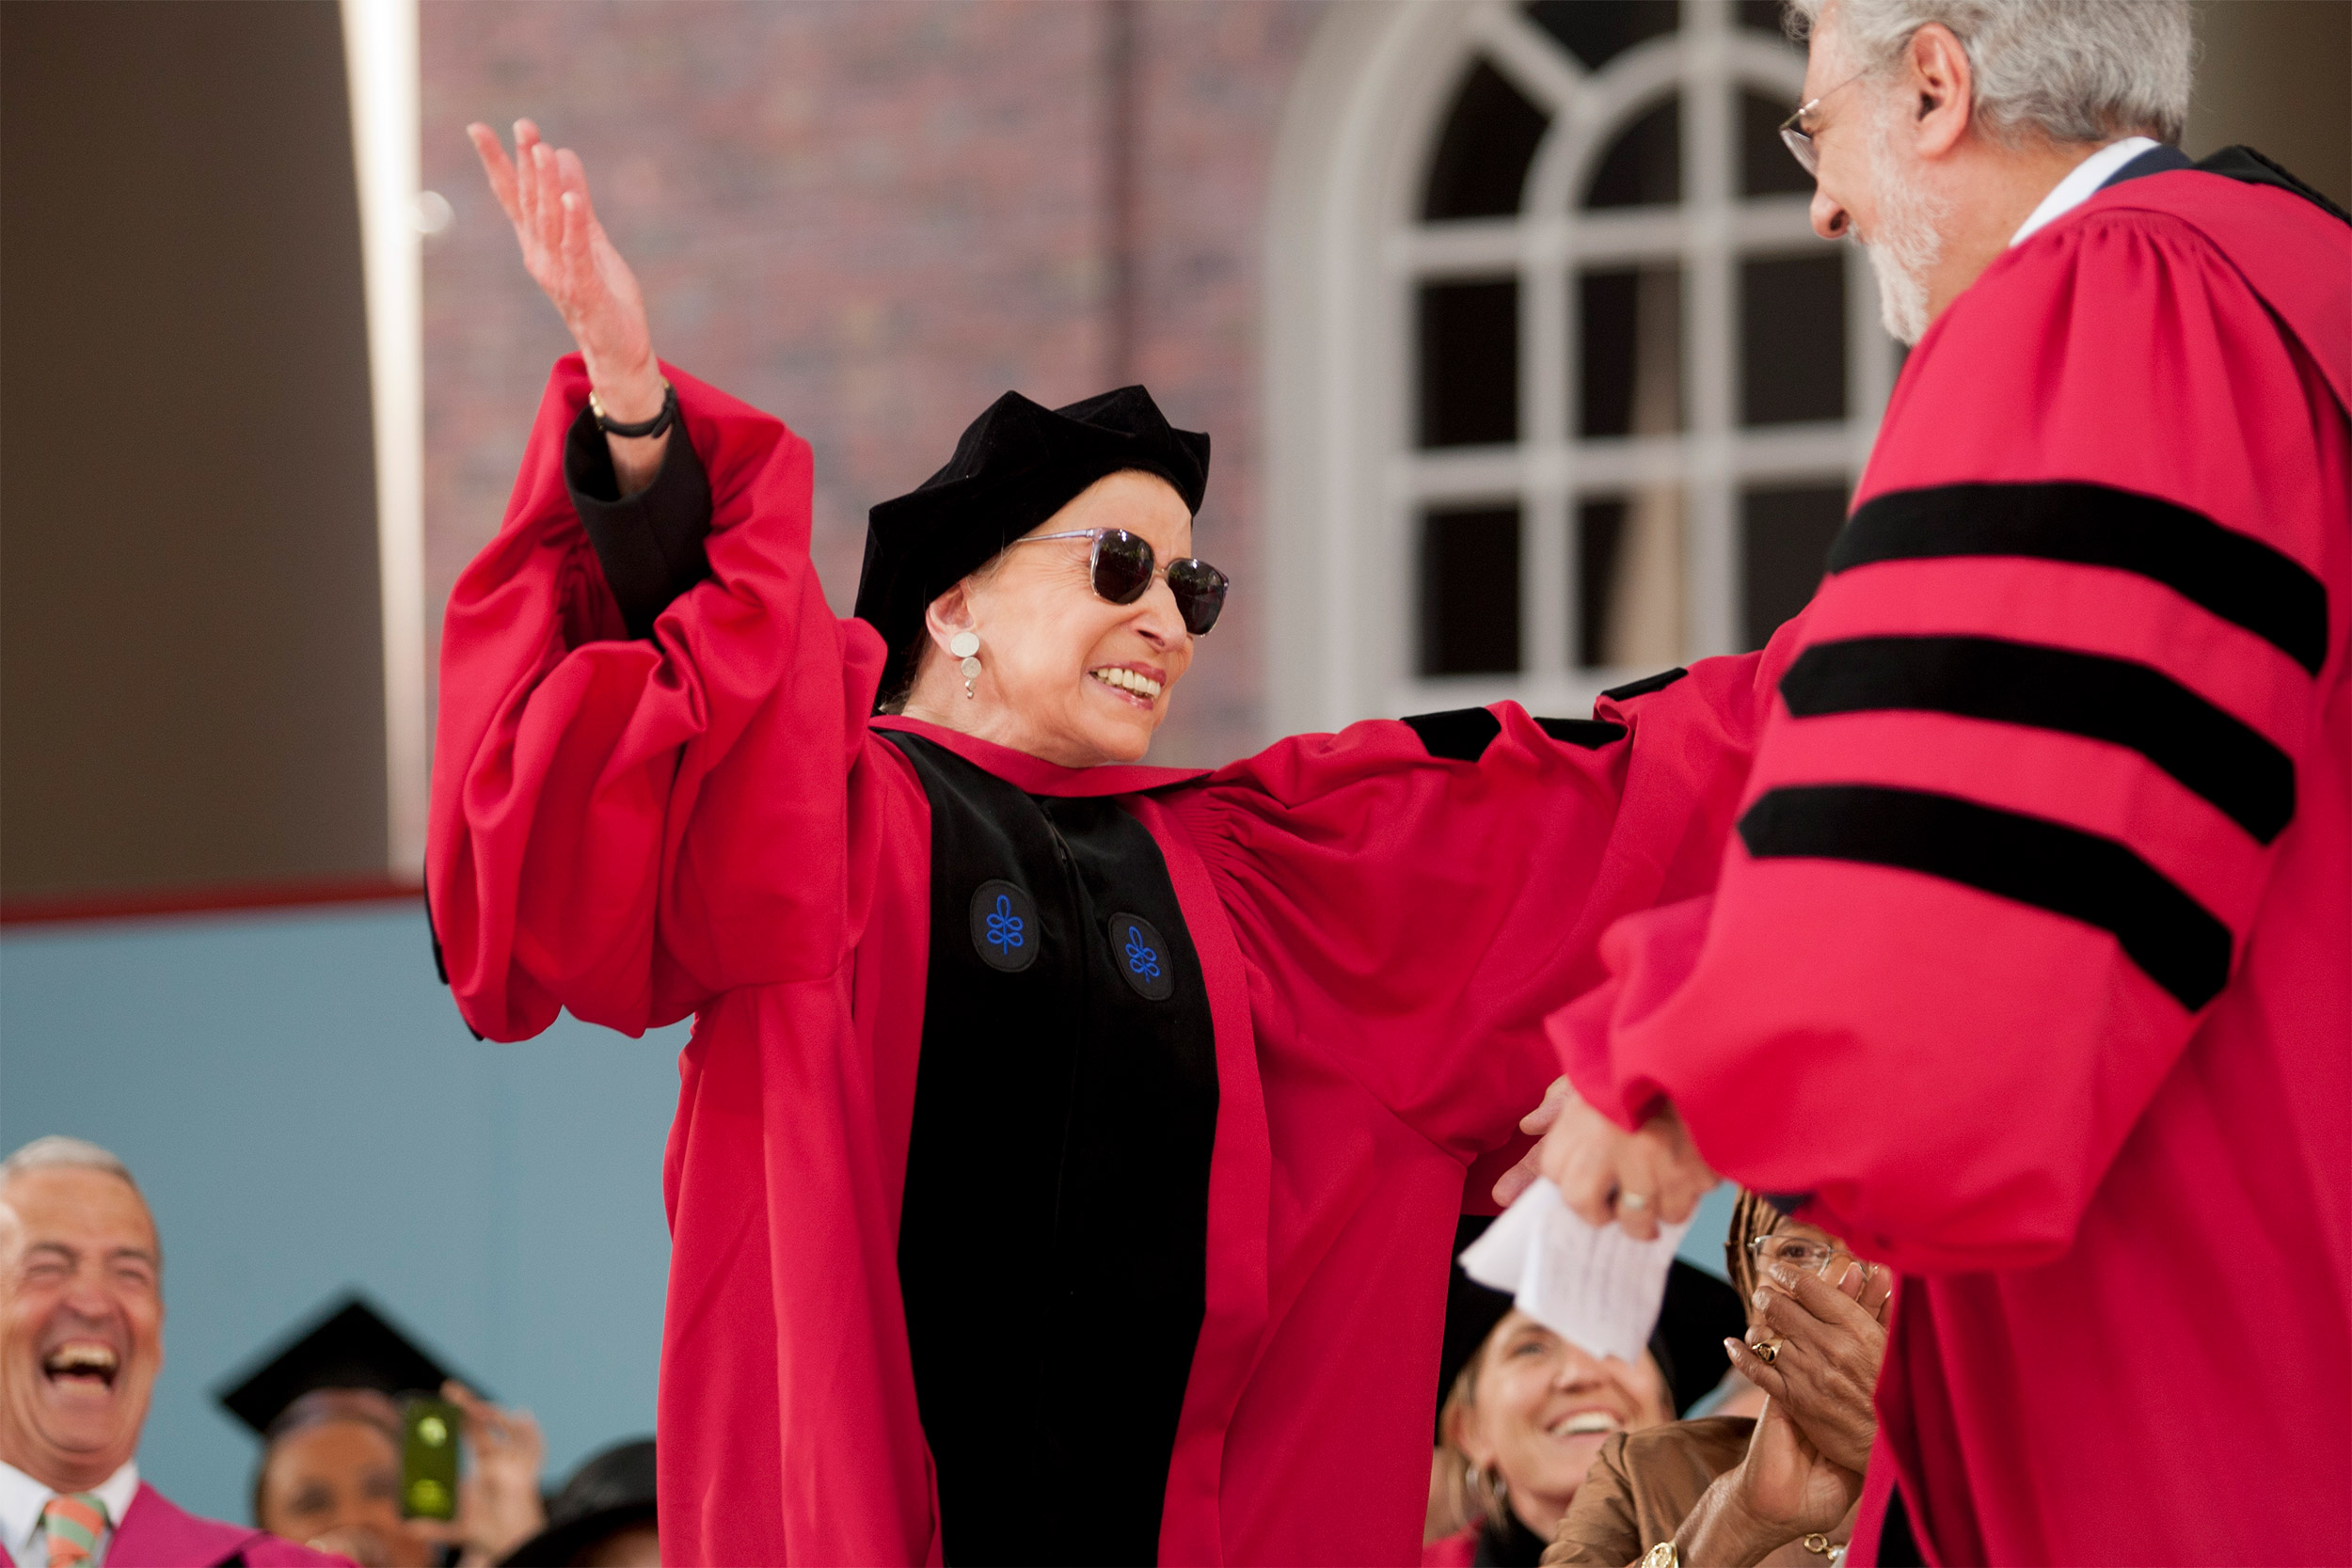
<point x="966" y="646"/>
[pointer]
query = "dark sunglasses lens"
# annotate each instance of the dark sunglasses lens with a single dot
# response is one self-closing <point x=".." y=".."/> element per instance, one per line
<point x="1200" y="590"/>
<point x="1122" y="566"/>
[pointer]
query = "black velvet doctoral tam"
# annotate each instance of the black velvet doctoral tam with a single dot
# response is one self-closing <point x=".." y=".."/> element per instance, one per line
<point x="1014" y="467"/>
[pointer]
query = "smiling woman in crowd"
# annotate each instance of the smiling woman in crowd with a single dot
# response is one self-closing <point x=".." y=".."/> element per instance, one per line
<point x="1524" y="1419"/>
<point x="330" y="1475"/>
<point x="1522" y="1412"/>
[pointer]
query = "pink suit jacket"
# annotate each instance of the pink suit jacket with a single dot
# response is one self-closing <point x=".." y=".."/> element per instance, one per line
<point x="158" y="1533"/>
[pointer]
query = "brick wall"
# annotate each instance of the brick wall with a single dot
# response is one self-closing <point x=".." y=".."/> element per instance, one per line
<point x="871" y="220"/>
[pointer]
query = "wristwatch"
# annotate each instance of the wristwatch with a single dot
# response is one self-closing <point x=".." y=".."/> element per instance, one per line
<point x="1661" y="1556"/>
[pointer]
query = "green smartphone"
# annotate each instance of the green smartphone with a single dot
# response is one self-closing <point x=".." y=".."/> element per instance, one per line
<point x="428" y="1458"/>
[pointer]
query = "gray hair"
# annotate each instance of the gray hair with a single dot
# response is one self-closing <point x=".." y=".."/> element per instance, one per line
<point x="2074" y="70"/>
<point x="54" y="1150"/>
<point x="57" y="1151"/>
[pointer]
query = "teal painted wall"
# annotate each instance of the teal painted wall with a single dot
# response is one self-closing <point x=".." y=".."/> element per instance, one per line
<point x="307" y="1115"/>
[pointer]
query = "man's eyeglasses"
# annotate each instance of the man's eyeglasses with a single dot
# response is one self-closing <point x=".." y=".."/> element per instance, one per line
<point x="1798" y="139"/>
<point x="1122" y="566"/>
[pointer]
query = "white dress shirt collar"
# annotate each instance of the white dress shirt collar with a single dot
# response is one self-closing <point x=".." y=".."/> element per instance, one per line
<point x="2082" y="183"/>
<point x="22" y="1499"/>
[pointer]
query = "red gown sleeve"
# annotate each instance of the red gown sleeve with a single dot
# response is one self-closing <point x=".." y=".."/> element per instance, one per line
<point x="1414" y="896"/>
<point x="2027" y="763"/>
<point x="625" y="828"/>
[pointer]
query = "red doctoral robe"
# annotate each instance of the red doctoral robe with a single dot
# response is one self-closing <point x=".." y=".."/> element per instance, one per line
<point x="2031" y="958"/>
<point x="709" y="822"/>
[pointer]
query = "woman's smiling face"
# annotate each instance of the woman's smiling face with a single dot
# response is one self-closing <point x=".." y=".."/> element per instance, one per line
<point x="1065" y="674"/>
<point x="1541" y="1408"/>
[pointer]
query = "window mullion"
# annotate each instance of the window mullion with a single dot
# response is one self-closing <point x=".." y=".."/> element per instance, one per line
<point x="1711" y="539"/>
<point x="1870" y="358"/>
<point x="1548" y="605"/>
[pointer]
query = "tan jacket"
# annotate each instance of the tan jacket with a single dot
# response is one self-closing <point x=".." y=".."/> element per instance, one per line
<point x="1643" y="1484"/>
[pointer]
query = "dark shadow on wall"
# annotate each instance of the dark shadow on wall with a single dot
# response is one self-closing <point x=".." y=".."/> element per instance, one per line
<point x="191" y="684"/>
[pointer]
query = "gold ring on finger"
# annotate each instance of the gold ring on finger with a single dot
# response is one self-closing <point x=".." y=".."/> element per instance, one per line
<point x="1633" y="1200"/>
<point x="1767" y="1352"/>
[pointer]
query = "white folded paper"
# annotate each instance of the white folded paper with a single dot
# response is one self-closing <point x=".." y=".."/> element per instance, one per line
<point x="1598" y="1289"/>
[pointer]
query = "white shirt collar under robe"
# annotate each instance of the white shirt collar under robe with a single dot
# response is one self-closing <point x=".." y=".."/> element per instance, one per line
<point x="22" y="1499"/>
<point x="2082" y="183"/>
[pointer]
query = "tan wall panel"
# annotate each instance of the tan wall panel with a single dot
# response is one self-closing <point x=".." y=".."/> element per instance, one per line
<point x="2277" y="75"/>
<point x="190" y="658"/>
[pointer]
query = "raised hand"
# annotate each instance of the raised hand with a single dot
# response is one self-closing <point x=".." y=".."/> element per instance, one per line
<point x="1831" y="1340"/>
<point x="1786" y="1482"/>
<point x="498" y="1504"/>
<point x="1782" y="1490"/>
<point x="544" y="191"/>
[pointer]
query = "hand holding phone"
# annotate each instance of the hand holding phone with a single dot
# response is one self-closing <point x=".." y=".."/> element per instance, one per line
<point x="428" y="1458"/>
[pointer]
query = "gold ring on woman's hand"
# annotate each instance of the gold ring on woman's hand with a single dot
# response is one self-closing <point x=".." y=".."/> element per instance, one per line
<point x="1767" y="1352"/>
<point x="1633" y="1200"/>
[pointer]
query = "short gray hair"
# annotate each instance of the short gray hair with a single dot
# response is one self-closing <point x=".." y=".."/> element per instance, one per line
<point x="2075" y="71"/>
<point x="56" y="1149"/>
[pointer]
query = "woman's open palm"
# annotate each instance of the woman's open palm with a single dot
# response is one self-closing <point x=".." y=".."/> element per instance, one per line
<point x="544" y="191"/>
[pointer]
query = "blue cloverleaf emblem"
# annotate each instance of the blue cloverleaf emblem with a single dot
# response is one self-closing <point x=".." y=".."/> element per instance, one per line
<point x="1141" y="960"/>
<point x="1004" y="927"/>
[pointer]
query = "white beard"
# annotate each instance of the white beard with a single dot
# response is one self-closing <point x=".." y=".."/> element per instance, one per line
<point x="1908" y="236"/>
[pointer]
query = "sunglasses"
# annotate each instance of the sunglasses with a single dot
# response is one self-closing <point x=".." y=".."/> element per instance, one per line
<point x="1122" y="566"/>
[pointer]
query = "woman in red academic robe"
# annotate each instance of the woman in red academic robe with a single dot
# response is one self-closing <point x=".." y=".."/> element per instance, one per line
<point x="1068" y="1150"/>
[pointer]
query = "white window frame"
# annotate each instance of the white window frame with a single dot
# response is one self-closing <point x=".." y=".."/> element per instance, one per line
<point x="1347" y="485"/>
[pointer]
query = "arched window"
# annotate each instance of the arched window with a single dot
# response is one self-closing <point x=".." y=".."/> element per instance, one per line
<point x="1565" y="390"/>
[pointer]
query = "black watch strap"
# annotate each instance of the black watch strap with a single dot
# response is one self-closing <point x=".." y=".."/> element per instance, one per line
<point x="655" y="426"/>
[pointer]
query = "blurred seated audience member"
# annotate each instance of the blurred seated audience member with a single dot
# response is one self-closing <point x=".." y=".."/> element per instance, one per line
<point x="1731" y="1490"/>
<point x="604" y="1516"/>
<point x="1524" y="1412"/>
<point x="81" y="1340"/>
<point x="330" y="1475"/>
<point x="329" y="1408"/>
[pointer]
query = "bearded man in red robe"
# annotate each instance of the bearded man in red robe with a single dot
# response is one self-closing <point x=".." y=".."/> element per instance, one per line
<point x="2040" y="896"/>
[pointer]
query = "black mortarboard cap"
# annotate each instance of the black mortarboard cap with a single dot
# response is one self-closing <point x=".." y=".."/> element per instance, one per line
<point x="1471" y="1311"/>
<point x="350" y="1346"/>
<point x="1699" y="1313"/>
<point x="1014" y="467"/>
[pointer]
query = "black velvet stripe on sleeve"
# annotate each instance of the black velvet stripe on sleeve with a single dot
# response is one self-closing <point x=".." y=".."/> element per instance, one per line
<point x="1591" y="734"/>
<point x="650" y="545"/>
<point x="2124" y="704"/>
<point x="2175" y="941"/>
<point x="2236" y="576"/>
<point x="1646" y="684"/>
<point x="1460" y="733"/>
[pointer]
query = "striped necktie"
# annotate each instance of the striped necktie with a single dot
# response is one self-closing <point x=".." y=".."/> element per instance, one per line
<point x="73" y="1522"/>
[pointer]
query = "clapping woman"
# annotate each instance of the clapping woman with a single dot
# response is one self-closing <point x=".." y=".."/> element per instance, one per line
<point x="1779" y="1488"/>
<point x="1046" y="1115"/>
